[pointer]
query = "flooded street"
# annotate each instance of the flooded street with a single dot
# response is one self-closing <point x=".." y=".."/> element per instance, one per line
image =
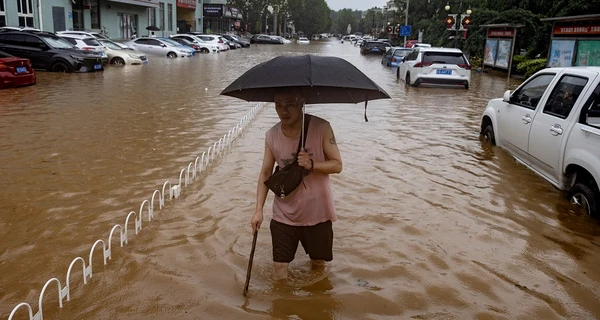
<point x="432" y="223"/>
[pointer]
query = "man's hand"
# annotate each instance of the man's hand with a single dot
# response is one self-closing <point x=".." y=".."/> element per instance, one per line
<point x="304" y="160"/>
<point x="256" y="221"/>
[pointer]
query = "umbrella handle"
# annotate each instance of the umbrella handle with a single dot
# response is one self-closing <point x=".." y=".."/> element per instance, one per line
<point x="249" y="271"/>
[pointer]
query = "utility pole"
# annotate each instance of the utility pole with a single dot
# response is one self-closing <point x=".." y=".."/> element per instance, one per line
<point x="406" y="19"/>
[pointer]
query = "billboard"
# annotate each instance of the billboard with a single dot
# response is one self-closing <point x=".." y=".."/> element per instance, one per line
<point x="491" y="48"/>
<point x="561" y="53"/>
<point x="503" y="56"/>
<point x="588" y="53"/>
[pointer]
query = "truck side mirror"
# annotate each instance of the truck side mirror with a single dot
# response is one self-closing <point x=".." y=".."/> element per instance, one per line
<point x="592" y="117"/>
<point x="506" y="96"/>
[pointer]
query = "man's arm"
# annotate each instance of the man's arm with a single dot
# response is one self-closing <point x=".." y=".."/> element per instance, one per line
<point x="333" y="159"/>
<point x="261" y="189"/>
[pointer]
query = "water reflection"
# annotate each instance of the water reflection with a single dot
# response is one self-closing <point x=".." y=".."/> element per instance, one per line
<point x="431" y="223"/>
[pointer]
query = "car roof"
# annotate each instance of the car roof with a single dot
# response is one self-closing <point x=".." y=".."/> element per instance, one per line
<point x="437" y="49"/>
<point x="586" y="68"/>
<point x="77" y="36"/>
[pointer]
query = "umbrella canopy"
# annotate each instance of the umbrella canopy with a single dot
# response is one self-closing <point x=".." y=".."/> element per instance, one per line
<point x="322" y="79"/>
<point x="153" y="28"/>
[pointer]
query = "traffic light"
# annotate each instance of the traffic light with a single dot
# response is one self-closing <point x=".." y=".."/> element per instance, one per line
<point x="389" y="29"/>
<point x="450" y="22"/>
<point x="465" y="22"/>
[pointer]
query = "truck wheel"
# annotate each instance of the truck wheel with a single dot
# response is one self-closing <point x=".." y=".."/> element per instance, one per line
<point x="585" y="199"/>
<point x="488" y="135"/>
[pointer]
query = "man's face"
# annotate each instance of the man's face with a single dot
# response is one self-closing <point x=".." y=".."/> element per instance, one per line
<point x="289" y="108"/>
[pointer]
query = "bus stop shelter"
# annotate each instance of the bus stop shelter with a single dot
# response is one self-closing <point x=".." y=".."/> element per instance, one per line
<point x="575" y="41"/>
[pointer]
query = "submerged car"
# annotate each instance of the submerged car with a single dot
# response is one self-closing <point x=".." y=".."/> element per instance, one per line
<point x="435" y="66"/>
<point x="15" y="72"/>
<point x="393" y="56"/>
<point x="160" y="47"/>
<point x="117" y="55"/>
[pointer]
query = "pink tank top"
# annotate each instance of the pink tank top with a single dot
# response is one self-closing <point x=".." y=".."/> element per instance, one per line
<point x="312" y="202"/>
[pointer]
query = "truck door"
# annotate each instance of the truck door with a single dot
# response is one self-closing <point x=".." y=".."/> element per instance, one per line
<point x="514" y="121"/>
<point x="551" y="126"/>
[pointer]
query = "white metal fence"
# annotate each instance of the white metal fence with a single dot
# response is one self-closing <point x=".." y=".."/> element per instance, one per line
<point x="186" y="176"/>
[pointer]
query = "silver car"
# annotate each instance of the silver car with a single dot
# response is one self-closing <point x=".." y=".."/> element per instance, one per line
<point x="160" y="47"/>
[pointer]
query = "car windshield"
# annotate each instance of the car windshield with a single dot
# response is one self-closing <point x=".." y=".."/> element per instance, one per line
<point x="444" y="57"/>
<point x="58" y="43"/>
<point x="401" y="52"/>
<point x="91" y="42"/>
<point x="172" y="42"/>
<point x="111" y="45"/>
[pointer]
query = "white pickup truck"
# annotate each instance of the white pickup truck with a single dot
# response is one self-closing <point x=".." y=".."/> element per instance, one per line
<point x="551" y="124"/>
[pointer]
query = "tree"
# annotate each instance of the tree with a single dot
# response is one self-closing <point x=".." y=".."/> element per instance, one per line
<point x="310" y="16"/>
<point x="345" y="17"/>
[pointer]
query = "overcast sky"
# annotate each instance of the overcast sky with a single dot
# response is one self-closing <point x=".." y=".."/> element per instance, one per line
<point x="355" y="4"/>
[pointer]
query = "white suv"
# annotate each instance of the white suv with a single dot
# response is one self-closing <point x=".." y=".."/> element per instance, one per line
<point x="440" y="66"/>
<point x="205" y="47"/>
<point x="86" y="43"/>
<point x="212" y="39"/>
<point x="90" y="34"/>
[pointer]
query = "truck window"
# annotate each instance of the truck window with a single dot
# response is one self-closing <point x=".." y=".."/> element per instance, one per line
<point x="564" y="95"/>
<point x="590" y="113"/>
<point x="529" y="95"/>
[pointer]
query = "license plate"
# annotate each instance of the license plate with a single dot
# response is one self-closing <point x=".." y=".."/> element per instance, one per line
<point x="441" y="71"/>
<point x="145" y="62"/>
<point x="21" y="69"/>
<point x="97" y="66"/>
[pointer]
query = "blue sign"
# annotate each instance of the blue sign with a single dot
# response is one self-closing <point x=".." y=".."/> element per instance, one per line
<point x="405" y="31"/>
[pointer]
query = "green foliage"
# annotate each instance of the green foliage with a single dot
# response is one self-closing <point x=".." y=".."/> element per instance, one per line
<point x="310" y="16"/>
<point x="529" y="67"/>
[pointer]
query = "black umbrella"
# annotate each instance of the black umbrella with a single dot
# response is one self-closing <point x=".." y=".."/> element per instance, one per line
<point x="322" y="80"/>
<point x="153" y="28"/>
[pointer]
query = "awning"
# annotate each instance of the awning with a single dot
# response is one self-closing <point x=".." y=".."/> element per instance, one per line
<point x="145" y="3"/>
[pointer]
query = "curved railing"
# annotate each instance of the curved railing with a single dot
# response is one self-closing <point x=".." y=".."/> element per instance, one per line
<point x="186" y="176"/>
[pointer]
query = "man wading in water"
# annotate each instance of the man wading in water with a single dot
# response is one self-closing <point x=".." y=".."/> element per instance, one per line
<point x="306" y="214"/>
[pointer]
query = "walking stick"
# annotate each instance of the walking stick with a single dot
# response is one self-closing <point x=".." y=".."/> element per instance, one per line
<point x="249" y="271"/>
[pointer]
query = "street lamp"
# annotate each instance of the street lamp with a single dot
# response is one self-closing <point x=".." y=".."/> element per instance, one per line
<point x="462" y="19"/>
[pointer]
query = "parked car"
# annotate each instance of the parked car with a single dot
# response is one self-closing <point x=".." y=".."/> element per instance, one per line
<point x="117" y="55"/>
<point x="87" y="43"/>
<point x="187" y="43"/>
<point x="48" y="51"/>
<point x="15" y="72"/>
<point x="212" y="39"/>
<point x="303" y="40"/>
<point x="205" y="47"/>
<point x="264" y="39"/>
<point x="551" y="124"/>
<point x="393" y="56"/>
<point x="91" y="34"/>
<point x="160" y="47"/>
<point x="375" y="47"/>
<point x="236" y="39"/>
<point x="438" y="66"/>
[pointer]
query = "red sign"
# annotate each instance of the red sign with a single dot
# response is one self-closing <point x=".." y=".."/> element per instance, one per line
<point x="189" y="4"/>
<point x="501" y="33"/>
<point x="573" y="30"/>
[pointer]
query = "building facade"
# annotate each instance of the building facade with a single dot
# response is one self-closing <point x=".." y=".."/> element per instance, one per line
<point x="118" y="19"/>
<point x="221" y="18"/>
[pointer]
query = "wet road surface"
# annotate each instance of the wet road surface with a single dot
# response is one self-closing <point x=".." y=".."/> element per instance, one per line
<point x="432" y="223"/>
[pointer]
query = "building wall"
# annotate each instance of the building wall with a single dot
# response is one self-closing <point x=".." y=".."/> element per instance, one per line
<point x="110" y="18"/>
<point x="48" y="18"/>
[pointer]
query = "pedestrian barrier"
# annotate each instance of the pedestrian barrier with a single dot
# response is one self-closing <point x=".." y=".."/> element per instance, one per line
<point x="195" y="167"/>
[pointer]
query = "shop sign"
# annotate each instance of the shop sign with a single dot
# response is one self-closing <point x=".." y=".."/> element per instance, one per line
<point x="501" y="33"/>
<point x="576" y="30"/>
<point x="189" y="4"/>
<point x="212" y="10"/>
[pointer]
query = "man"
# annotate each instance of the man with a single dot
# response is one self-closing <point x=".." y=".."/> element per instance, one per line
<point x="306" y="214"/>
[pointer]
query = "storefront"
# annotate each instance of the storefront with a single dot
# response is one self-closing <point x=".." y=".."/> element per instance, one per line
<point x="575" y="41"/>
<point x="186" y="12"/>
<point x="219" y="18"/>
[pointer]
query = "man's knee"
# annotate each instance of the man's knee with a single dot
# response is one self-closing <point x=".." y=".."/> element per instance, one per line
<point x="280" y="270"/>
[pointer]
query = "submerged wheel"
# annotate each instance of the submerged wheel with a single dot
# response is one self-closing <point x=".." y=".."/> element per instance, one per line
<point x="584" y="199"/>
<point x="204" y="50"/>
<point x="408" y="79"/>
<point x="171" y="55"/>
<point x="488" y="135"/>
<point x="117" y="61"/>
<point x="60" y="67"/>
<point x="398" y="74"/>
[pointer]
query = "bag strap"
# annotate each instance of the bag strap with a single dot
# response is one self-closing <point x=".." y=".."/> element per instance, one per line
<point x="303" y="143"/>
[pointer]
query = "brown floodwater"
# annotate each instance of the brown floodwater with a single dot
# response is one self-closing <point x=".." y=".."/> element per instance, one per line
<point x="432" y="223"/>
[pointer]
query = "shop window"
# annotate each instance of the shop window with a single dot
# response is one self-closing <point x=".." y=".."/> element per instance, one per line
<point x="2" y="13"/>
<point x="95" y="14"/>
<point x="25" y="10"/>
<point x="170" y="15"/>
<point x="161" y="15"/>
<point x="151" y="17"/>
